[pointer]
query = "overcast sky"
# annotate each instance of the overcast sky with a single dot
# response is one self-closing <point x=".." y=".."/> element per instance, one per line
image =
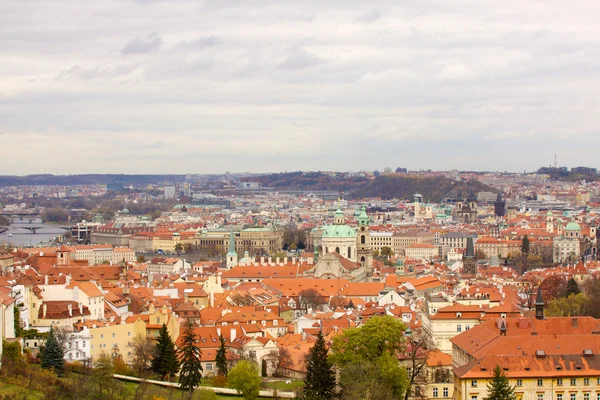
<point x="118" y="86"/>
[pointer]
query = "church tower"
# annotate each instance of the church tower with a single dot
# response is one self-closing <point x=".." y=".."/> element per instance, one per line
<point x="550" y="222"/>
<point x="232" y="257"/>
<point x="363" y="242"/>
<point x="469" y="260"/>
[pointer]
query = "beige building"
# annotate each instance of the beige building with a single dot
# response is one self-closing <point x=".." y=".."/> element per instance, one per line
<point x="421" y="251"/>
<point x="256" y="241"/>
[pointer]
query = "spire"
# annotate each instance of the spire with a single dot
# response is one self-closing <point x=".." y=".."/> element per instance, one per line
<point x="539" y="304"/>
<point x="363" y="218"/>
<point x="470" y="248"/>
<point x="231" y="244"/>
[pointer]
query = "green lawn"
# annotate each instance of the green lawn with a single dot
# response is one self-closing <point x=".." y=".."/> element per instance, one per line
<point x="281" y="385"/>
<point x="168" y="393"/>
<point x="18" y="393"/>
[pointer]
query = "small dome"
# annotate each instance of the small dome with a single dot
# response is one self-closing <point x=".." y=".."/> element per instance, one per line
<point x="549" y="213"/>
<point x="573" y="226"/>
<point x="125" y="211"/>
<point x="400" y="263"/>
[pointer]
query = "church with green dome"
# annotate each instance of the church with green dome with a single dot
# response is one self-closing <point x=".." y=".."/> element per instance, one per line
<point x="339" y="238"/>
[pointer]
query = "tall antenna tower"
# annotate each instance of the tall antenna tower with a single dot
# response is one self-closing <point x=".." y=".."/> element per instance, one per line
<point x="554" y="160"/>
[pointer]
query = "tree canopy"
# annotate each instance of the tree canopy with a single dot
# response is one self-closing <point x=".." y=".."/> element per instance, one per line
<point x="499" y="387"/>
<point x="320" y="376"/>
<point x="190" y="354"/>
<point x="53" y="354"/>
<point x="164" y="363"/>
<point x="376" y="345"/>
<point x="245" y="379"/>
<point x="378" y="336"/>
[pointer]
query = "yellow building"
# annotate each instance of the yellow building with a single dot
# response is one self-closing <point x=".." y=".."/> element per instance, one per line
<point x="112" y="337"/>
<point x="544" y="359"/>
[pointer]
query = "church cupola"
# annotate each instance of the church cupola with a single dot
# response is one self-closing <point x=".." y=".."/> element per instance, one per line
<point x="338" y="218"/>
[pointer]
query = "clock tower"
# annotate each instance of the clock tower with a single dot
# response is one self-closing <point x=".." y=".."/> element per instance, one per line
<point x="363" y="243"/>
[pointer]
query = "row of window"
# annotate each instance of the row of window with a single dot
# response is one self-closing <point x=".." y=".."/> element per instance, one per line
<point x="559" y="382"/>
<point x="559" y="396"/>
<point x="444" y="392"/>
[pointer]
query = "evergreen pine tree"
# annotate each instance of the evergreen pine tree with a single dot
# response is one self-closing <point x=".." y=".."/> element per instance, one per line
<point x="525" y="245"/>
<point x="221" y="358"/>
<point x="320" y="377"/>
<point x="52" y="356"/>
<point x="190" y="354"/>
<point x="499" y="388"/>
<point x="572" y="288"/>
<point x="164" y="362"/>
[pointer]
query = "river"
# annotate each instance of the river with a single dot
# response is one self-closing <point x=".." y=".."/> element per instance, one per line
<point x="17" y="235"/>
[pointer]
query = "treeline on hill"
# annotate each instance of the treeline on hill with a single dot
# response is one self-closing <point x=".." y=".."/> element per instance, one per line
<point x="384" y="186"/>
<point x="86" y="179"/>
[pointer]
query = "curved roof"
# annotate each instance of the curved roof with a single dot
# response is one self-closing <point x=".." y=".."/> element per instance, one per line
<point x="338" y="231"/>
<point x="573" y="226"/>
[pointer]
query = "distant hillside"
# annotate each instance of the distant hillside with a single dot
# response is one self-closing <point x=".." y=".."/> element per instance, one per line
<point x="86" y="179"/>
<point x="386" y="187"/>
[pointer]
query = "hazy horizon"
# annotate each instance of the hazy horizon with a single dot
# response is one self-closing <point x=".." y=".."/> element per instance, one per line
<point x="150" y="86"/>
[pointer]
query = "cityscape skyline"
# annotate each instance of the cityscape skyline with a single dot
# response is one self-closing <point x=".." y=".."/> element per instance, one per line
<point x="152" y="86"/>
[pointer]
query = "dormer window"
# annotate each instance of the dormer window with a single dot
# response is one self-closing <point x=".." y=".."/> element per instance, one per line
<point x="458" y="315"/>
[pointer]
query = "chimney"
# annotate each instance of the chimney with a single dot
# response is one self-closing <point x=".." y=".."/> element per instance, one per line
<point x="68" y="279"/>
<point x="285" y="260"/>
<point x="219" y="331"/>
<point x="270" y="261"/>
<point x="294" y="260"/>
<point x="81" y="308"/>
<point x="232" y="334"/>
<point x="277" y="261"/>
<point x="44" y="308"/>
<point x="45" y="279"/>
<point x="70" y="307"/>
<point x="212" y="296"/>
<point x="303" y="336"/>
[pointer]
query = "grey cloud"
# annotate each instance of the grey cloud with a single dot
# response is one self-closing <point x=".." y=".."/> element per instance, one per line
<point x="201" y="42"/>
<point x="299" y="58"/>
<point x="149" y="44"/>
<point x="433" y="83"/>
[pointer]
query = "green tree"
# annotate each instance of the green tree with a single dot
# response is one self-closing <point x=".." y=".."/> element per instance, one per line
<point x="52" y="354"/>
<point x="378" y="336"/>
<point x="525" y="245"/>
<point x="366" y="381"/>
<point x="573" y="306"/>
<point x="221" y="357"/>
<point x="499" y="387"/>
<point x="102" y="384"/>
<point x="320" y="376"/>
<point x="376" y="344"/>
<point x="164" y="362"/>
<point x="572" y="288"/>
<point x="245" y="379"/>
<point x="178" y="248"/>
<point x="17" y="322"/>
<point x="190" y="354"/>
<point x="386" y="251"/>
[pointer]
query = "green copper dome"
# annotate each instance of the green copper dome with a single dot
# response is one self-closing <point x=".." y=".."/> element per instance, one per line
<point x="573" y="226"/>
<point x="338" y="231"/>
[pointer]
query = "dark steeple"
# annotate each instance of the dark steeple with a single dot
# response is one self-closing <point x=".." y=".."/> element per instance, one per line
<point x="539" y="304"/>
<point x="500" y="206"/>
<point x="470" y="248"/>
<point x="469" y="261"/>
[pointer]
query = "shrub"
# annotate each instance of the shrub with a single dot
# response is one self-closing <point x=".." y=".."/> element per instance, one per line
<point x="218" y="381"/>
